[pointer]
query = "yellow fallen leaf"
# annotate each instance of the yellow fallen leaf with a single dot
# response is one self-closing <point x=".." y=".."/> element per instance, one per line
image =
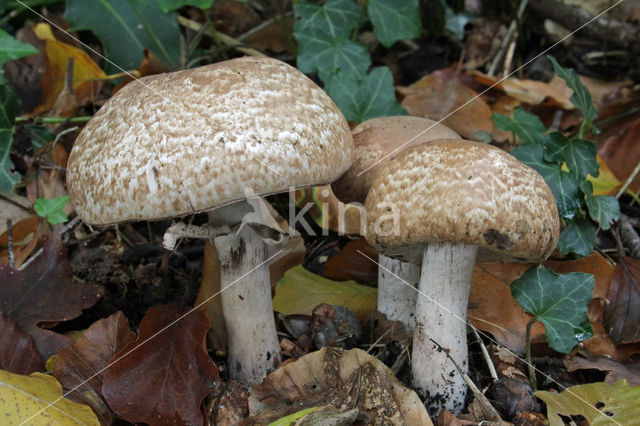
<point x="26" y="399"/>
<point x="599" y="403"/>
<point x="299" y="291"/>
<point x="88" y="77"/>
<point x="606" y="183"/>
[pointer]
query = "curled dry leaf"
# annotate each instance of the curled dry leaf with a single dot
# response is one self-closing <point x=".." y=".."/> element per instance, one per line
<point x="18" y="353"/>
<point x="80" y="367"/>
<point x="622" y="313"/>
<point x="170" y="367"/>
<point x="45" y="292"/>
<point x="344" y="379"/>
<point x="615" y="370"/>
<point x="621" y="152"/>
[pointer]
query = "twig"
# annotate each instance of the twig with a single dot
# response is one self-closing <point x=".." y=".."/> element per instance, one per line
<point x="485" y="354"/>
<point x="224" y="38"/>
<point x="630" y="179"/>
<point x="12" y="258"/>
<point x="506" y="41"/>
<point x="488" y="409"/>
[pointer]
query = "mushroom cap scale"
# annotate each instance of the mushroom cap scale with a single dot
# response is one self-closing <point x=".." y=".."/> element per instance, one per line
<point x="189" y="141"/>
<point x="379" y="137"/>
<point x="463" y="192"/>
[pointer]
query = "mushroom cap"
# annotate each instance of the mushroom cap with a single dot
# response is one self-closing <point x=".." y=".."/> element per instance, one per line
<point x="462" y="192"/>
<point x="189" y="141"/>
<point x="373" y="140"/>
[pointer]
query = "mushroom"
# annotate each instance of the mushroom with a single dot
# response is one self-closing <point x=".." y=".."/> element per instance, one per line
<point x="375" y="142"/>
<point x="192" y="141"/>
<point x="449" y="198"/>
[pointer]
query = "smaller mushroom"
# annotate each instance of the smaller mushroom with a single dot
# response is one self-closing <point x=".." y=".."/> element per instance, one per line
<point x="375" y="142"/>
<point x="451" y="198"/>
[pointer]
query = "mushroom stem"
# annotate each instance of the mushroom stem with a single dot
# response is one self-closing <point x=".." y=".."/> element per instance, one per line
<point x="396" y="298"/>
<point x="254" y="348"/>
<point x="445" y="280"/>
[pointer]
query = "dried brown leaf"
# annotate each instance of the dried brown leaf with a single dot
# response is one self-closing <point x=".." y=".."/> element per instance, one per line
<point x="351" y="379"/>
<point x="166" y="373"/>
<point x="45" y="292"/>
<point x="80" y="366"/>
<point x="18" y="353"/>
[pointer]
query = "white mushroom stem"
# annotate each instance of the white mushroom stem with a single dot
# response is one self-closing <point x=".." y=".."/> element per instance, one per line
<point x="253" y="345"/>
<point x="441" y="312"/>
<point x="397" y="283"/>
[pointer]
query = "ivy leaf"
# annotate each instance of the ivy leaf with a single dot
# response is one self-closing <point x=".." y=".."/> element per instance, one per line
<point x="319" y="52"/>
<point x="578" y="154"/>
<point x="360" y="99"/>
<point x="394" y="20"/>
<point x="559" y="301"/>
<point x="40" y="135"/>
<point x="169" y="5"/>
<point x="563" y="185"/>
<point x="10" y="48"/>
<point x="578" y="237"/>
<point x="8" y="113"/>
<point x="581" y="97"/>
<point x="125" y="28"/>
<point x="455" y="22"/>
<point x="604" y="209"/>
<point x="335" y="17"/>
<point x="52" y="209"/>
<point x="525" y="125"/>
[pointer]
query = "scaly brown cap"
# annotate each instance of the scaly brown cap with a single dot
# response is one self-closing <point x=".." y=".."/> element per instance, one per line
<point x="373" y="140"/>
<point x="463" y="192"/>
<point x="178" y="143"/>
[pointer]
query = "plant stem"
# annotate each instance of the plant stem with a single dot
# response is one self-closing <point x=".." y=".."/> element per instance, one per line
<point x="47" y="120"/>
<point x="530" y="366"/>
<point x="363" y="10"/>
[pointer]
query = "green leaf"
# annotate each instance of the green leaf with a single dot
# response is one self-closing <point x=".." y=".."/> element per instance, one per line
<point x="300" y="291"/>
<point x="40" y="135"/>
<point x="600" y="404"/>
<point x="578" y="237"/>
<point x="394" y="20"/>
<point x="560" y="302"/>
<point x="604" y="209"/>
<point x="525" y="125"/>
<point x="455" y="22"/>
<point x="563" y="185"/>
<point x="334" y="18"/>
<point x="581" y="97"/>
<point x="52" y="209"/>
<point x="319" y="52"/>
<point x="125" y="28"/>
<point x="360" y="99"/>
<point x="169" y="5"/>
<point x="8" y="112"/>
<point x="10" y="48"/>
<point x="578" y="154"/>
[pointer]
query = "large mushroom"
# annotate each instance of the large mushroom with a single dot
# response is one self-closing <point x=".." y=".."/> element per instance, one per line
<point x="191" y="141"/>
<point x="436" y="204"/>
<point x="375" y="142"/>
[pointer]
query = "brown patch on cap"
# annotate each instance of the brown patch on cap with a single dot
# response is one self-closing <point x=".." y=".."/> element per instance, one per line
<point x="466" y="192"/>
<point x="177" y="143"/>
<point x="375" y="138"/>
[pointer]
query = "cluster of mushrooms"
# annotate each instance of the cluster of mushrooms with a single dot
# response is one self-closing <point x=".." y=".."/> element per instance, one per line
<point x="202" y="140"/>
